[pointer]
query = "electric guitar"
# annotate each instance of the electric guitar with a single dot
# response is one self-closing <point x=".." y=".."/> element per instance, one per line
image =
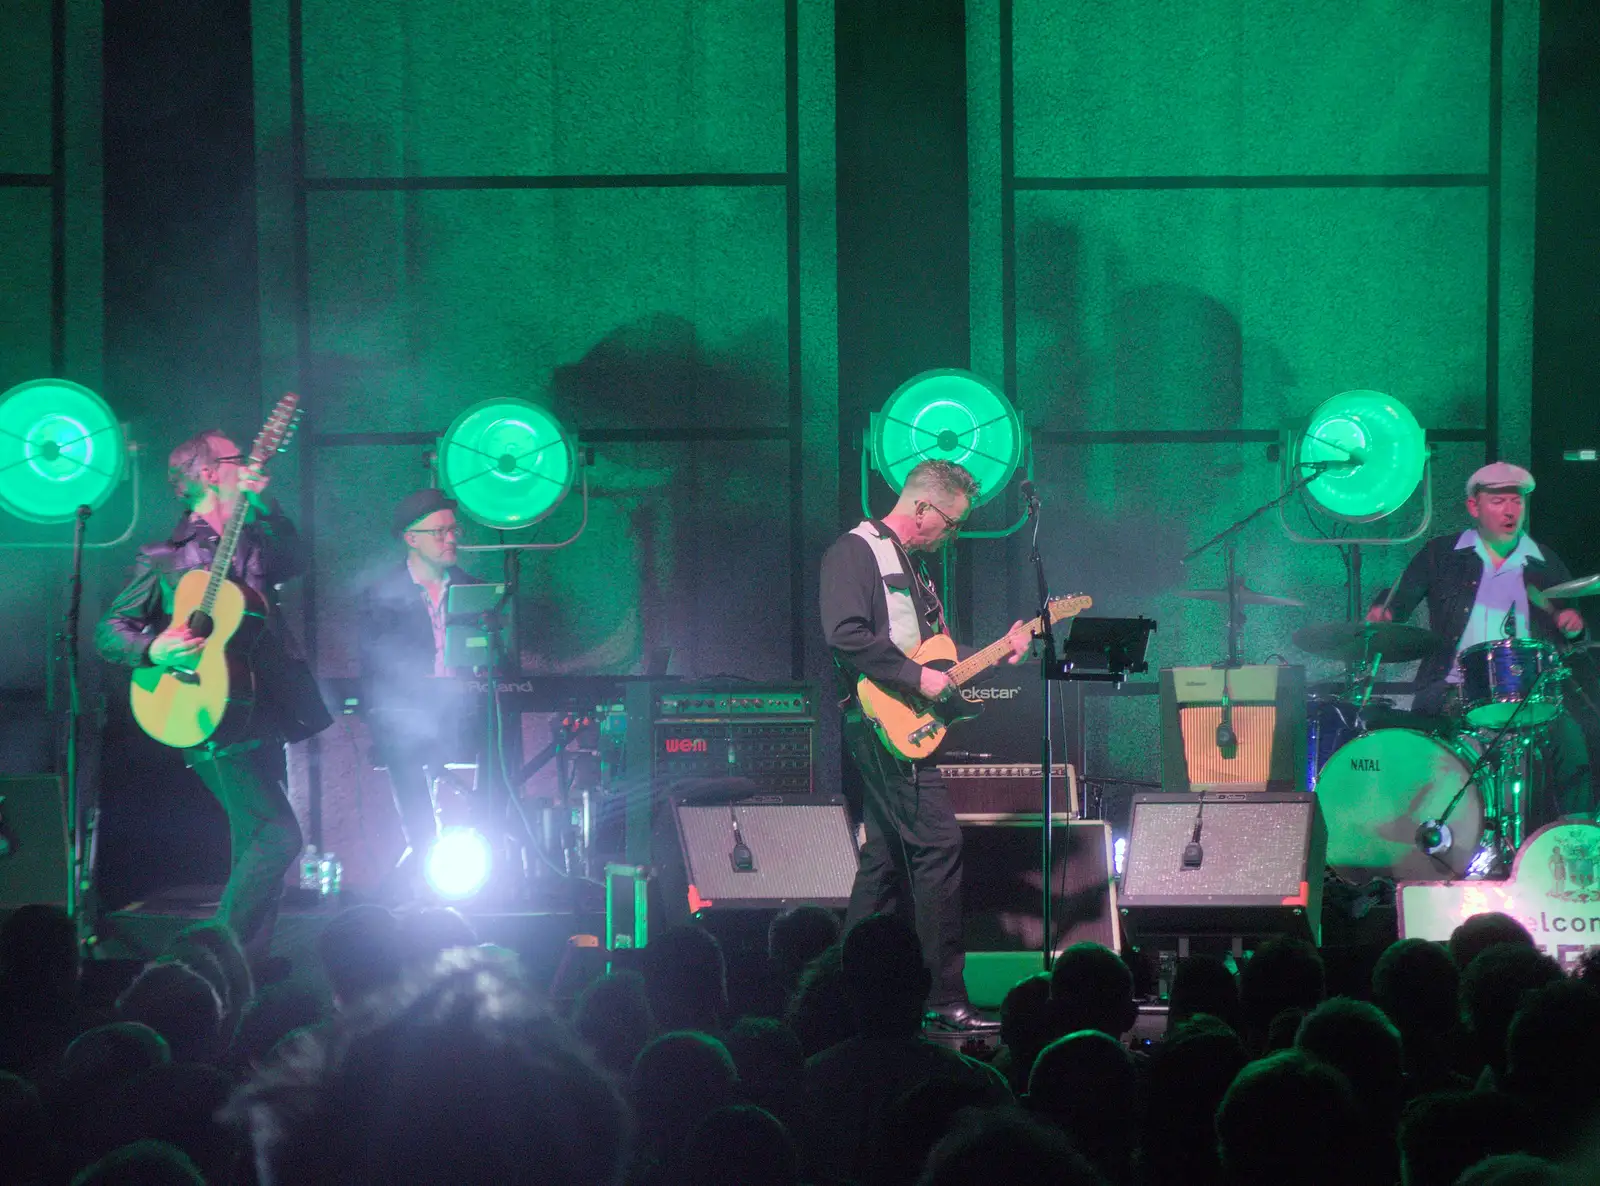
<point x="913" y="726"/>
<point x="212" y="700"/>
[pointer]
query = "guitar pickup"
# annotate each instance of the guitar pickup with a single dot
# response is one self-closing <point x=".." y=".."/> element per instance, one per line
<point x="927" y="731"/>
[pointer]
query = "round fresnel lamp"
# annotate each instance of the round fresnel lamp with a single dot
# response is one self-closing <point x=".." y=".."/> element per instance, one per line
<point x="1375" y="451"/>
<point x="507" y="462"/>
<point x="948" y="415"/>
<point x="60" y="448"/>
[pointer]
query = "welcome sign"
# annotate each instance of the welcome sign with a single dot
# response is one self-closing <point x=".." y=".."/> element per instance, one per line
<point x="1553" y="890"/>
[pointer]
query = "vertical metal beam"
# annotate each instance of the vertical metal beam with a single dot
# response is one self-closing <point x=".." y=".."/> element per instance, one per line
<point x="58" y="187"/>
<point x="797" y="557"/>
<point x="300" y="263"/>
<point x="1491" y="378"/>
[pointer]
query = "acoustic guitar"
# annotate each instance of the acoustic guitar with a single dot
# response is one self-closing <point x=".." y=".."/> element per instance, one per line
<point x="914" y="726"/>
<point x="212" y="700"/>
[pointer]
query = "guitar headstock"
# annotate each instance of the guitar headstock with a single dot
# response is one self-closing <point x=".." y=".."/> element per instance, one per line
<point x="276" y="433"/>
<point x="1062" y="608"/>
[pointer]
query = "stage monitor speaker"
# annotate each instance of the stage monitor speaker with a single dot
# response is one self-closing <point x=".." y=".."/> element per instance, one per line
<point x="1000" y="892"/>
<point x="1267" y="713"/>
<point x="1259" y="873"/>
<point x="33" y="841"/>
<point x="760" y="851"/>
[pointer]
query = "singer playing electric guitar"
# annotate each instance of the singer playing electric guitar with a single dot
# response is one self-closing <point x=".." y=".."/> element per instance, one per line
<point x="878" y="609"/>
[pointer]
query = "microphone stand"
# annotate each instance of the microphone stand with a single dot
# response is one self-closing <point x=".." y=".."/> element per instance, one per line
<point x="80" y="871"/>
<point x="1047" y="667"/>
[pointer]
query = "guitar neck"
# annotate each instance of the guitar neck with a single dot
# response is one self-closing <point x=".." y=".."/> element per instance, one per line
<point x="223" y="560"/>
<point x="975" y="665"/>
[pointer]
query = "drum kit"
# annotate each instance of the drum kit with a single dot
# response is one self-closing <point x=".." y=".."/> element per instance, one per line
<point x="1409" y="796"/>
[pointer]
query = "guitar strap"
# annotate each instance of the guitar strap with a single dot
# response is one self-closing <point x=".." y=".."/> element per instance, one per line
<point x="905" y="630"/>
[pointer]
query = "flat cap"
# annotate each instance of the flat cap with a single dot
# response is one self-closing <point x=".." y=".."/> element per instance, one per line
<point x="1500" y="475"/>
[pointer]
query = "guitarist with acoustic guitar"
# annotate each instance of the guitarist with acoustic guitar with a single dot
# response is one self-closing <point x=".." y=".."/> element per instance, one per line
<point x="243" y="765"/>
<point x="878" y="608"/>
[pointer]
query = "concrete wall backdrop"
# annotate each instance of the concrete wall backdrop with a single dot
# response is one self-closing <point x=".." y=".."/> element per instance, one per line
<point x="622" y="212"/>
<point x="50" y="321"/>
<point x="1193" y="223"/>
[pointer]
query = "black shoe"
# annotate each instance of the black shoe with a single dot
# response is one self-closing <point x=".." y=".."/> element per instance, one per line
<point x="959" y="1017"/>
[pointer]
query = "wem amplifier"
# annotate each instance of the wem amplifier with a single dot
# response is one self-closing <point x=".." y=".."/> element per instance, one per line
<point x="775" y="755"/>
<point x="764" y="733"/>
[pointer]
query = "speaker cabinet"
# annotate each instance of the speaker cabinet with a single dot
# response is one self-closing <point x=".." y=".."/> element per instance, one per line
<point x="1267" y="712"/>
<point x="788" y="849"/>
<point x="33" y="841"/>
<point x="1001" y="890"/>
<point x="1262" y="855"/>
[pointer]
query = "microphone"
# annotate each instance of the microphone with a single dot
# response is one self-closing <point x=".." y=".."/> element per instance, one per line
<point x="1433" y="837"/>
<point x="1227" y="739"/>
<point x="741" y="858"/>
<point x="1509" y="626"/>
<point x="1351" y="462"/>
<point x="1026" y="486"/>
<point x="1193" y="854"/>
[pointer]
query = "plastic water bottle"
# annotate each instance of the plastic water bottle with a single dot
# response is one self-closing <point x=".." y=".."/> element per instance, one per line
<point x="310" y="869"/>
<point x="330" y="873"/>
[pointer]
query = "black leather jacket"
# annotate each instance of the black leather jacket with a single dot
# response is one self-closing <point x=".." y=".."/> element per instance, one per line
<point x="270" y="552"/>
<point x="395" y="637"/>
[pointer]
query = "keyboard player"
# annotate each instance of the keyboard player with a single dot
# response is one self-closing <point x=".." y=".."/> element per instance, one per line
<point x="415" y="730"/>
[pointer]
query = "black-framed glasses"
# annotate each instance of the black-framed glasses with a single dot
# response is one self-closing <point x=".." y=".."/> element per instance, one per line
<point x="453" y="532"/>
<point x="952" y="524"/>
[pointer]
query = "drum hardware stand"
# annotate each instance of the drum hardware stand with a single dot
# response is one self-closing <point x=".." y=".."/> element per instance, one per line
<point x="1507" y="750"/>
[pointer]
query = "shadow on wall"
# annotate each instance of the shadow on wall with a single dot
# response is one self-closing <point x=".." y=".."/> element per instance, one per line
<point x="685" y="535"/>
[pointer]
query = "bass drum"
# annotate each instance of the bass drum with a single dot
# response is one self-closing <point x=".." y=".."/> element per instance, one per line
<point x="1377" y="790"/>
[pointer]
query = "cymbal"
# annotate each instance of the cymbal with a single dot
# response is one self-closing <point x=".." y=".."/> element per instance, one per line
<point x="1247" y="596"/>
<point x="1578" y="587"/>
<point x="1356" y="642"/>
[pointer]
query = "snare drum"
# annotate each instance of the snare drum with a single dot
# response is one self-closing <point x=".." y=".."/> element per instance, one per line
<point x="1377" y="790"/>
<point x="1498" y="681"/>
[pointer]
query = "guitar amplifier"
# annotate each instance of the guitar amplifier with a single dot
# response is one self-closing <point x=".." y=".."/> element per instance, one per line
<point x="763" y="733"/>
<point x="1008" y="789"/>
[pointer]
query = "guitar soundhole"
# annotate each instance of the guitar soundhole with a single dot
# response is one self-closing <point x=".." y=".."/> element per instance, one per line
<point x="200" y="624"/>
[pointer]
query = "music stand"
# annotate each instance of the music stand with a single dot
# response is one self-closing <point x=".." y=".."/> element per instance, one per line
<point x="1103" y="650"/>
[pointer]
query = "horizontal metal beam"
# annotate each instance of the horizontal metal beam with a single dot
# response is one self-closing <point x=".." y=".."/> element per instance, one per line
<point x="1263" y="181"/>
<point x="548" y="181"/>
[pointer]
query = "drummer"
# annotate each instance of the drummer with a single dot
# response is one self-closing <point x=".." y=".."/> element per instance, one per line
<point x="1485" y="584"/>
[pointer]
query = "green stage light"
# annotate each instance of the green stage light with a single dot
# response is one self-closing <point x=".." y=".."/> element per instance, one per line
<point x="508" y="463"/>
<point x="948" y="415"/>
<point x="1380" y="432"/>
<point x="60" y="448"/>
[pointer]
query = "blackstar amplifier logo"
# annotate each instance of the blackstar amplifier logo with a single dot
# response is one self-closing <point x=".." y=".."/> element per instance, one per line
<point x="975" y="695"/>
<point x="686" y="745"/>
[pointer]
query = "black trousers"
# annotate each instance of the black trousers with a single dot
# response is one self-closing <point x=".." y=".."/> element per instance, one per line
<point x="1562" y="777"/>
<point x="911" y="862"/>
<point x="252" y="786"/>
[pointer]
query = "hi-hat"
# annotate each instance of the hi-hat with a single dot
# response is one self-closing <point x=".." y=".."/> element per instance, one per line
<point x="1577" y="587"/>
<point x="1359" y="642"/>
<point x="1245" y="595"/>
